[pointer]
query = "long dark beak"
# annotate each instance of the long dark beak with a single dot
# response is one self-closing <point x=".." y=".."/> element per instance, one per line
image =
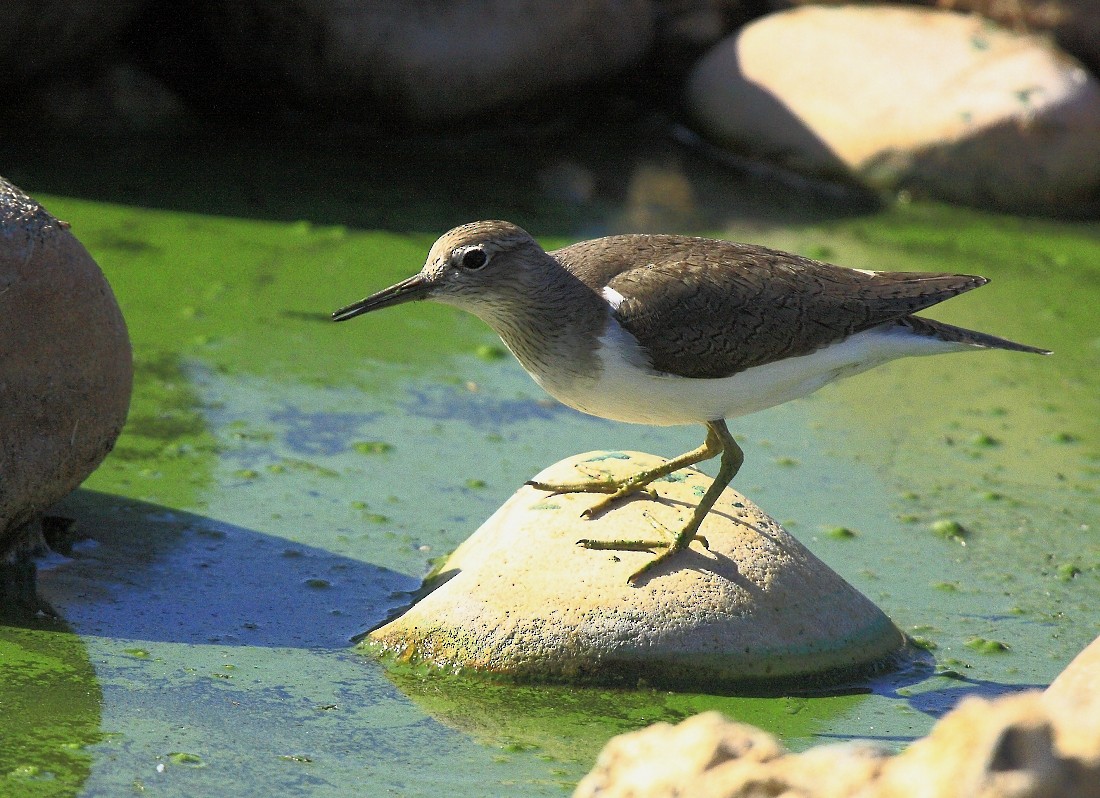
<point x="416" y="287"/>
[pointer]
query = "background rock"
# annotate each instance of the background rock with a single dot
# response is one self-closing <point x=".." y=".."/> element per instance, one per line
<point x="65" y="365"/>
<point x="991" y="119"/>
<point x="522" y="599"/>
<point x="430" y="61"/>
<point x="941" y="104"/>
<point x="39" y="37"/>
<point x="1074" y="24"/>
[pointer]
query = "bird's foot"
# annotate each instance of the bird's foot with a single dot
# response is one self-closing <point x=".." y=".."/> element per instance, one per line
<point x="635" y="545"/>
<point x="676" y="546"/>
<point x="680" y="542"/>
<point x="594" y="485"/>
<point x="616" y="489"/>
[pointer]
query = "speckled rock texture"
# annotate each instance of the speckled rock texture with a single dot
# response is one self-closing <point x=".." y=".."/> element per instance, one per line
<point x="942" y="104"/>
<point x="65" y="366"/>
<point x="983" y="749"/>
<point x="522" y="599"/>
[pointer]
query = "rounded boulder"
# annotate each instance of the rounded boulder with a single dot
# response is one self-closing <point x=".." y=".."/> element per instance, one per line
<point x="942" y="104"/>
<point x="65" y="372"/>
<point x="520" y="599"/>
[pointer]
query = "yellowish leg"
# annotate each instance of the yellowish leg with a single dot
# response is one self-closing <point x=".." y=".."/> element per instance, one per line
<point x="732" y="458"/>
<point x="719" y="441"/>
<point x="621" y="488"/>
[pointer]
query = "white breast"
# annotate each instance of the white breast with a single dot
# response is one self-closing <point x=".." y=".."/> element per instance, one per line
<point x="626" y="390"/>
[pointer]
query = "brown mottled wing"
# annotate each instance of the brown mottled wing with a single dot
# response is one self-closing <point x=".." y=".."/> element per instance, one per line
<point x="705" y="308"/>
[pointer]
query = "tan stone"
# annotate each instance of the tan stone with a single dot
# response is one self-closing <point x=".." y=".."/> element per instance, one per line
<point x="1075" y="24"/>
<point x="1074" y="700"/>
<point x="707" y="756"/>
<point x="662" y="758"/>
<point x="990" y="749"/>
<point x="941" y="103"/>
<point x="66" y="372"/>
<point x="983" y="749"/>
<point x="521" y="598"/>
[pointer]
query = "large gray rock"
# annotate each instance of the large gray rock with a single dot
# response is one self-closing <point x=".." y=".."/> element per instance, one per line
<point x="943" y="104"/>
<point x="432" y="60"/>
<point x="523" y="600"/>
<point x="65" y="366"/>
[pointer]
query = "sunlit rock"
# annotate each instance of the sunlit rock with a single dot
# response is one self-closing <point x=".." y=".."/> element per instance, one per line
<point x="521" y="599"/>
<point x="65" y="370"/>
<point x="1005" y="747"/>
<point x="1074" y="700"/>
<point x="942" y="104"/>
<point x="1074" y="24"/>
<point x="997" y="749"/>
<point x="707" y="755"/>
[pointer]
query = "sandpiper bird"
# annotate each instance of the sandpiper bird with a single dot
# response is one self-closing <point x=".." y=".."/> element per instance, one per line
<point x="665" y="329"/>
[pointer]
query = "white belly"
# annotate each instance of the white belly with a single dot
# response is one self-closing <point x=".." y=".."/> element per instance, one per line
<point x="625" y="392"/>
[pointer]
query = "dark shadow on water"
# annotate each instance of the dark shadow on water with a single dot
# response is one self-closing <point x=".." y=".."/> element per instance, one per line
<point x="478" y="410"/>
<point x="939" y="702"/>
<point x="319" y="433"/>
<point x="151" y="573"/>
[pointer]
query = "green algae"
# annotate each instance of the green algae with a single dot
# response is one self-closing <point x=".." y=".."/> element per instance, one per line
<point x="50" y="704"/>
<point x="567" y="724"/>
<point x="985" y="646"/>
<point x="946" y="528"/>
<point x="228" y="310"/>
<point x="372" y="447"/>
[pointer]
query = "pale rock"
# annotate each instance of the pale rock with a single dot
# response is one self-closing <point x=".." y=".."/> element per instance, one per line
<point x="1074" y="700"/>
<point x="707" y="756"/>
<point x="944" y="104"/>
<point x="522" y="599"/>
<point x="1006" y="748"/>
<point x="1074" y="24"/>
<point x="991" y="749"/>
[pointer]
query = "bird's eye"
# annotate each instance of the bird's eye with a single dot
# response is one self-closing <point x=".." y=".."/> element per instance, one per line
<point x="473" y="259"/>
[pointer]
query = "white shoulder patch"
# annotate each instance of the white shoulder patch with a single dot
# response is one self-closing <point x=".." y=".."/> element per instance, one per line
<point x="868" y="272"/>
<point x="613" y="297"/>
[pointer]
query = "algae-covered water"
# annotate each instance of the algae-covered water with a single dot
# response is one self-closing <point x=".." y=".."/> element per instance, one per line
<point x="284" y="483"/>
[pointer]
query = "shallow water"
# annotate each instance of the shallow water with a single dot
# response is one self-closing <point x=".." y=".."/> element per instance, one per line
<point x="284" y="483"/>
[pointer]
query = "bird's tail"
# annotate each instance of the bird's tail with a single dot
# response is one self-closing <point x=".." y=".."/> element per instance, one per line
<point x="953" y="334"/>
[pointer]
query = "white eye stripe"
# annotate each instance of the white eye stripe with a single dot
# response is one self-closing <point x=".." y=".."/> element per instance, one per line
<point x="613" y="297"/>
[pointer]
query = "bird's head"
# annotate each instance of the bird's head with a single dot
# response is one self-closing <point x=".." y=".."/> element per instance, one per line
<point x="481" y="267"/>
